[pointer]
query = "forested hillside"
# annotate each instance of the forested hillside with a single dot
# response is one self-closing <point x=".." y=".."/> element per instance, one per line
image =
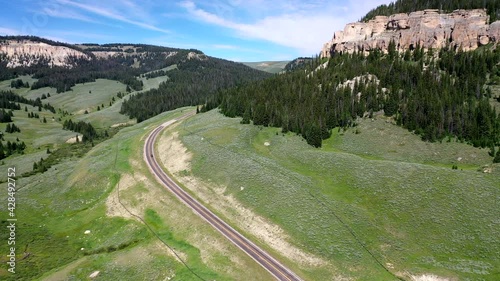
<point x="408" y="6"/>
<point x="192" y="83"/>
<point x="124" y="66"/>
<point x="437" y="95"/>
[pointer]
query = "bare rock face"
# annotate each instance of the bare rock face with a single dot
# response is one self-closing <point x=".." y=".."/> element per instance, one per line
<point x="466" y="29"/>
<point x="27" y="53"/>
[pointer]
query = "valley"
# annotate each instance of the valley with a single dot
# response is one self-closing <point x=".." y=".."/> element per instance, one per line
<point x="377" y="159"/>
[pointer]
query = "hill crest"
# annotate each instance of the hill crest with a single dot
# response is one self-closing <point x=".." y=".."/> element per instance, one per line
<point x="26" y="52"/>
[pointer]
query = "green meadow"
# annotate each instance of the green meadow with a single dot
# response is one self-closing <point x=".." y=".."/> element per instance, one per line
<point x="376" y="202"/>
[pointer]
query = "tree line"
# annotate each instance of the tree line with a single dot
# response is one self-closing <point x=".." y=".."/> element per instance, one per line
<point x="155" y="74"/>
<point x="10" y="148"/>
<point x="86" y="129"/>
<point x="11" y="100"/>
<point x="18" y="83"/>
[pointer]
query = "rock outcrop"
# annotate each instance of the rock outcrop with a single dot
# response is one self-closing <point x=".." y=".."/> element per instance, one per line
<point x="466" y="29"/>
<point x="27" y="53"/>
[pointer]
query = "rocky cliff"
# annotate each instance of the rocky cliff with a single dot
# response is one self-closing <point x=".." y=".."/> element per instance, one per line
<point x="467" y="29"/>
<point x="27" y="53"/>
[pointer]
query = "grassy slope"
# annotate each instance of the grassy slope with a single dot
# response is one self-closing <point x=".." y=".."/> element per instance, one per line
<point x="422" y="197"/>
<point x="79" y="99"/>
<point x="55" y="208"/>
<point x="268" y="66"/>
<point x="110" y="115"/>
<point x="395" y="193"/>
<point x="87" y="96"/>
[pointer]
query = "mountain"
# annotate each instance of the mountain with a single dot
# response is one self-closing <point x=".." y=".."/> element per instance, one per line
<point x="30" y="51"/>
<point x="193" y="78"/>
<point x="465" y="29"/>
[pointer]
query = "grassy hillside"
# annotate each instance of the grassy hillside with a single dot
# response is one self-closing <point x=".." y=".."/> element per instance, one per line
<point x="373" y="204"/>
<point x="87" y="96"/>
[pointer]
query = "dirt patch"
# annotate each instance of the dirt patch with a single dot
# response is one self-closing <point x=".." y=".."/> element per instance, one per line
<point x="176" y="159"/>
<point x="82" y="111"/>
<point x="118" y="125"/>
<point x="73" y="139"/>
<point x="429" y="277"/>
<point x="113" y="206"/>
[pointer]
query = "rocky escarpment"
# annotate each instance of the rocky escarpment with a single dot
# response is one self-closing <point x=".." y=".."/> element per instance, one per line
<point x="28" y="53"/>
<point x="21" y="52"/>
<point x="466" y="29"/>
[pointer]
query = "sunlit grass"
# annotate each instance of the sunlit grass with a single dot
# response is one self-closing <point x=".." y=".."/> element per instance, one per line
<point x="404" y="203"/>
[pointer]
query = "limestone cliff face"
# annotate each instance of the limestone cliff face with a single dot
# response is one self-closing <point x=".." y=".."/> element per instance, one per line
<point x="27" y="53"/>
<point x="467" y="29"/>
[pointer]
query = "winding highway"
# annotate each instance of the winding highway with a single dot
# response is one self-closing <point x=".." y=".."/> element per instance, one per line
<point x="279" y="271"/>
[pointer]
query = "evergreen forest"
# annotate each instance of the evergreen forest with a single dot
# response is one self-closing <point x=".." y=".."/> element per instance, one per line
<point x="192" y="83"/>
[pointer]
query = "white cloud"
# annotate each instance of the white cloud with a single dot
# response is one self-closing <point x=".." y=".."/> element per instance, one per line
<point x="67" y="14"/>
<point x="303" y="25"/>
<point x="293" y="30"/>
<point x="111" y="14"/>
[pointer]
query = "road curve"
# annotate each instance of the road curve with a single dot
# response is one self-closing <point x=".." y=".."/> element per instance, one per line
<point x="279" y="271"/>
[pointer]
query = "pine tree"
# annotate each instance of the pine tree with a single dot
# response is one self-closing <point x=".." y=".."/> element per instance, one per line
<point x="497" y="157"/>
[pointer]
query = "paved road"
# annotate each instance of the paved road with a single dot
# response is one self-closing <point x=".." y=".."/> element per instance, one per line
<point x="260" y="256"/>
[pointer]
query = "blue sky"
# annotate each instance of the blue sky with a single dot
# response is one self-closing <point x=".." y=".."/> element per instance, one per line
<point x="251" y="30"/>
